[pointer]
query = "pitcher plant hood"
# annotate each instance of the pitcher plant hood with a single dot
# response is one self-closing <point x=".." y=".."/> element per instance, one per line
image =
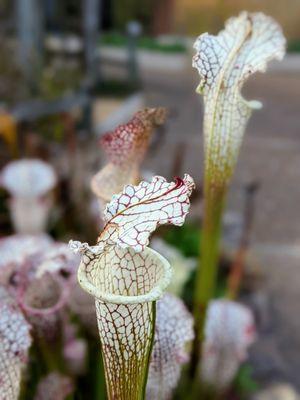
<point x="125" y="149"/>
<point x="224" y="62"/>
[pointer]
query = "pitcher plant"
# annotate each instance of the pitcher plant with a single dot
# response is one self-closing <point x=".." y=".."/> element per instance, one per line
<point x="126" y="278"/>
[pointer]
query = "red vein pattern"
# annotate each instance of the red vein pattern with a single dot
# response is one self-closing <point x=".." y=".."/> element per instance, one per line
<point x="126" y="148"/>
<point x="126" y="336"/>
<point x="130" y="141"/>
<point x="139" y="210"/>
<point x="173" y="331"/>
<point x="15" y="341"/>
<point x="230" y="330"/>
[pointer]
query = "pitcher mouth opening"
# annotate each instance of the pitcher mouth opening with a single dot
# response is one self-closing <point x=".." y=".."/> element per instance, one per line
<point x="48" y="309"/>
<point x="153" y="294"/>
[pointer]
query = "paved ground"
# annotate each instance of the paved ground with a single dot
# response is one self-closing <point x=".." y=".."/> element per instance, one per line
<point x="271" y="156"/>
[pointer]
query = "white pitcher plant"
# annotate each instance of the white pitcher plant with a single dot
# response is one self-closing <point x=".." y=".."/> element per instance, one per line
<point x="230" y="330"/>
<point x="38" y="274"/>
<point x="126" y="278"/>
<point x="29" y="182"/>
<point x="224" y="62"/>
<point x="173" y="331"/>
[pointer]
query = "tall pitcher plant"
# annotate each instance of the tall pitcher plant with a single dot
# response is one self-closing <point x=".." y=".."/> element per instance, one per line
<point x="224" y="62"/>
<point x="126" y="278"/>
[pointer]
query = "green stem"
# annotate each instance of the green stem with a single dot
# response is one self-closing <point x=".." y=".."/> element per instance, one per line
<point x="150" y="349"/>
<point x="100" y="386"/>
<point x="206" y="275"/>
<point x="51" y="354"/>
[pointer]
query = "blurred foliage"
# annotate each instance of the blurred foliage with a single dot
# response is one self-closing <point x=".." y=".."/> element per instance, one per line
<point x="294" y="46"/>
<point x="128" y="10"/>
<point x="63" y="15"/>
<point x="58" y="79"/>
<point x="91" y="385"/>
<point x="5" y="223"/>
<point x="12" y="86"/>
<point x="244" y="384"/>
<point x="186" y="239"/>
<point x="145" y="42"/>
<point x="51" y="127"/>
<point x="52" y="82"/>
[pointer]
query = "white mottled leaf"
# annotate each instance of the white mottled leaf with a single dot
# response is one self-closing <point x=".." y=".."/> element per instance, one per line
<point x="54" y="386"/>
<point x="224" y="62"/>
<point x="229" y="331"/>
<point x="15" y="341"/>
<point x="58" y="259"/>
<point x="173" y="331"/>
<point x="15" y="249"/>
<point x="135" y="213"/>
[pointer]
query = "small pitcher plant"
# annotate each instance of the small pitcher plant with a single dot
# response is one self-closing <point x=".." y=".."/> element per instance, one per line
<point x="125" y="148"/>
<point x="229" y="331"/>
<point x="126" y="278"/>
<point x="224" y="62"/>
<point x="29" y="182"/>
